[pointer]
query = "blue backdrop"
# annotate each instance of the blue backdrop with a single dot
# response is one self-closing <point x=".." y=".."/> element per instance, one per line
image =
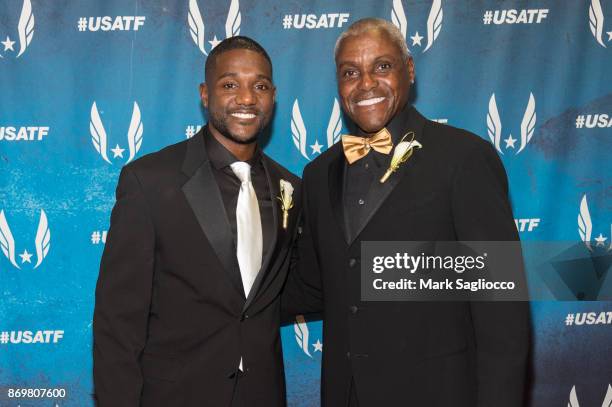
<point x="88" y="86"/>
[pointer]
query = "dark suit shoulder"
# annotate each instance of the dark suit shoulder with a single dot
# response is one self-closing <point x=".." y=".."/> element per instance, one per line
<point x="285" y="173"/>
<point x="160" y="167"/>
<point x="456" y="144"/>
<point x="318" y="167"/>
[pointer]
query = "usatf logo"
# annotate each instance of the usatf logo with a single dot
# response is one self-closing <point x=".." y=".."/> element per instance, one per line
<point x="527" y="224"/>
<point x="196" y="24"/>
<point x="314" y="21"/>
<point x="99" y="138"/>
<point x="596" y="23"/>
<point x="108" y="23"/>
<point x="23" y="133"/>
<point x="585" y="228"/>
<point x="192" y="129"/>
<point x="573" y="398"/>
<point x="302" y="336"/>
<point x="434" y="23"/>
<point x="42" y="241"/>
<point x="31" y="337"/>
<point x="299" y="133"/>
<point x="591" y="121"/>
<point x="494" y="126"/>
<point x="589" y="318"/>
<point x="98" y="237"/>
<point x="25" y="32"/>
<point x="513" y="16"/>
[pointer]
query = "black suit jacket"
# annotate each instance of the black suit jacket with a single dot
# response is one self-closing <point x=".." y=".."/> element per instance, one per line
<point x="411" y="353"/>
<point x="171" y="321"/>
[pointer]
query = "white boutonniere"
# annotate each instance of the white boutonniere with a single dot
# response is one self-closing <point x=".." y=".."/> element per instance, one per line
<point x="401" y="154"/>
<point x="286" y="199"/>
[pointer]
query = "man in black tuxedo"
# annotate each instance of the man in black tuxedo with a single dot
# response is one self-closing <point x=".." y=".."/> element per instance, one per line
<point x="187" y="301"/>
<point x="389" y="354"/>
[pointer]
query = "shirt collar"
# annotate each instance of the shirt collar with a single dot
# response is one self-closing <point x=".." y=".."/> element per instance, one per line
<point x="220" y="157"/>
<point x="401" y="123"/>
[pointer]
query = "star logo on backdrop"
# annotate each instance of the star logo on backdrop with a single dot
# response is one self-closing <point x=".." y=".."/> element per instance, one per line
<point x="318" y="346"/>
<point x="99" y="137"/>
<point x="601" y="239"/>
<point x="195" y="20"/>
<point x="494" y="126"/>
<point x="316" y="147"/>
<point x="117" y="151"/>
<point x="8" y="44"/>
<point x="510" y="141"/>
<point x="416" y="39"/>
<point x="609" y="35"/>
<point x="214" y="43"/>
<point x="42" y="242"/>
<point x="25" y="257"/>
<point x="434" y="23"/>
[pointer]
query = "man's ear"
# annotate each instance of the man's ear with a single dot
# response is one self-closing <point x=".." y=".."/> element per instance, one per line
<point x="204" y="94"/>
<point x="410" y="64"/>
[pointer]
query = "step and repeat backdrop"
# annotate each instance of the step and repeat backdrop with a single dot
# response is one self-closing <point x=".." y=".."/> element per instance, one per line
<point x="88" y="86"/>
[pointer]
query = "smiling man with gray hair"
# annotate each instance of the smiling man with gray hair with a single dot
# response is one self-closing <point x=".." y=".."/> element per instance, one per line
<point x="453" y="188"/>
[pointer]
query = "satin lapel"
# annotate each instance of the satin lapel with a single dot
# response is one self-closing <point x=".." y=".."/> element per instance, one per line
<point x="384" y="190"/>
<point x="204" y="197"/>
<point x="335" y="183"/>
<point x="273" y="178"/>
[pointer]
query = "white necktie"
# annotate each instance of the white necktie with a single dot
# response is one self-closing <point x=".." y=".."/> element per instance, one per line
<point x="248" y="222"/>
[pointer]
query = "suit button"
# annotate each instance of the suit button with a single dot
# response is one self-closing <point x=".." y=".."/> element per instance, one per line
<point x="348" y="355"/>
<point x="352" y="262"/>
<point x="353" y="309"/>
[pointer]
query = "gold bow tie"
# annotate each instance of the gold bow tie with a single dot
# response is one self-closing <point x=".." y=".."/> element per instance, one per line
<point x="355" y="148"/>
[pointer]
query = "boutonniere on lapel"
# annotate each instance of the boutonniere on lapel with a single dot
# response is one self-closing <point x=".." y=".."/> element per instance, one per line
<point x="286" y="199"/>
<point x="401" y="154"/>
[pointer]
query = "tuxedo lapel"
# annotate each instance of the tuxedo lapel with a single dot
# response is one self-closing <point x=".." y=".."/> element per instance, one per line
<point x="273" y="178"/>
<point x="414" y="122"/>
<point x="204" y="197"/>
<point x="335" y="182"/>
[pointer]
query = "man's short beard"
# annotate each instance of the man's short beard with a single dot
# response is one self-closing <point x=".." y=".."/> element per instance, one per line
<point x="221" y="127"/>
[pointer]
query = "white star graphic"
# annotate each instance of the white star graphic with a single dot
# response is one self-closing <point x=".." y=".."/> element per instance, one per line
<point x="214" y="42"/>
<point x="117" y="151"/>
<point x="316" y="147"/>
<point x="25" y="257"/>
<point x="8" y="44"/>
<point x="510" y="141"/>
<point x="416" y="39"/>
<point x="609" y="35"/>
<point x="318" y="346"/>
<point x="600" y="240"/>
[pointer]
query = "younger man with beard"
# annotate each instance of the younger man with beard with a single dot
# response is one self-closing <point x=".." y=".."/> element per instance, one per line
<point x="187" y="301"/>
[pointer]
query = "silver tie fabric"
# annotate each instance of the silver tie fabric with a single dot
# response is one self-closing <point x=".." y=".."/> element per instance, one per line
<point x="249" y="233"/>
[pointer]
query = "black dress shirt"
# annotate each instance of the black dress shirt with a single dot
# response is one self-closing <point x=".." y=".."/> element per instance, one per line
<point x="362" y="192"/>
<point x="229" y="186"/>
